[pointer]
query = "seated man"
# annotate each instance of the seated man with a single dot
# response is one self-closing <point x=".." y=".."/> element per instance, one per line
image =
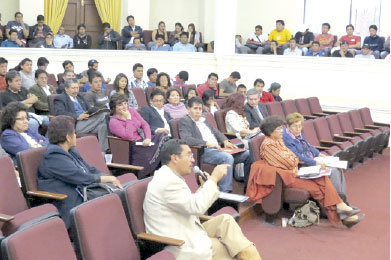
<point x="172" y="210"/>
<point x="374" y="41"/>
<point x="131" y="31"/>
<point x="3" y="72"/>
<point x="255" y="42"/>
<point x="47" y="43"/>
<point x="42" y="90"/>
<point x="264" y="96"/>
<point x="96" y="97"/>
<point x="152" y="76"/>
<point x="20" y="26"/>
<point x="93" y="66"/>
<point x="38" y="32"/>
<point x="304" y="38"/>
<point x="314" y="51"/>
<point x="242" y="89"/>
<point x="255" y="110"/>
<point x="62" y="40"/>
<point x="281" y="35"/>
<point x="293" y="50"/>
<point x="137" y="80"/>
<point x="354" y="41"/>
<point x="343" y="52"/>
<point x="13" y="40"/>
<point x="136" y="45"/>
<point x="365" y="53"/>
<point x="15" y="92"/>
<point x="68" y="74"/>
<point x="184" y="44"/>
<point x="228" y="85"/>
<point x="196" y="130"/>
<point x="155" y="115"/>
<point x="181" y="79"/>
<point x="72" y="104"/>
<point x="160" y="45"/>
<point x="325" y="39"/>
<point x="211" y="83"/>
<point x="109" y="38"/>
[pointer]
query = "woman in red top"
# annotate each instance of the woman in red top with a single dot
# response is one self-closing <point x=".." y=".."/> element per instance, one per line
<point x="264" y="96"/>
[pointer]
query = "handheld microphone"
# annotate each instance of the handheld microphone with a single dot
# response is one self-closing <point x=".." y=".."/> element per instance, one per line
<point x="198" y="172"/>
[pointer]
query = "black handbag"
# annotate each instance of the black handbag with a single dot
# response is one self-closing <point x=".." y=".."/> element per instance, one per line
<point x="96" y="190"/>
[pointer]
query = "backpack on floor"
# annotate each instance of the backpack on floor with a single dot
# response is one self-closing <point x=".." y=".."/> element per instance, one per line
<point x="305" y="215"/>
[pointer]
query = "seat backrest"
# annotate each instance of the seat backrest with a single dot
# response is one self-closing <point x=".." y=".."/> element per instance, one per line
<point x="47" y="239"/>
<point x="174" y="126"/>
<point x="221" y="102"/>
<point x="28" y="162"/>
<point x="254" y="147"/>
<point x="60" y="78"/>
<point x="147" y="36"/>
<point x="134" y="196"/>
<point x="185" y="88"/>
<point x="275" y="109"/>
<point x="191" y="181"/>
<point x="289" y="106"/>
<point x="302" y="106"/>
<point x="365" y="114"/>
<point x="220" y="120"/>
<point x="52" y="111"/>
<point x="211" y="119"/>
<point x="102" y="231"/>
<point x="334" y="125"/>
<point x="110" y="87"/>
<point x="89" y="149"/>
<point x="139" y="94"/>
<point x="52" y="80"/>
<point x="148" y="92"/>
<point x="355" y="118"/>
<point x="11" y="197"/>
<point x="314" y="105"/>
<point x="310" y="133"/>
<point x="345" y="122"/>
<point x="322" y="129"/>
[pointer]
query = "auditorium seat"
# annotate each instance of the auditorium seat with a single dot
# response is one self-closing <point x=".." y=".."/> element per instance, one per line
<point x="110" y="87"/>
<point x="52" y="80"/>
<point x="275" y="109"/>
<point x="47" y="239"/>
<point x="316" y="109"/>
<point x="219" y="116"/>
<point x="365" y="114"/>
<point x="302" y="106"/>
<point x="350" y="152"/>
<point x="147" y="36"/>
<point x="28" y="162"/>
<point x="186" y="87"/>
<point x="60" y="78"/>
<point x="221" y="102"/>
<point x="139" y="94"/>
<point x="51" y="98"/>
<point x="89" y="150"/>
<point x="102" y="231"/>
<point x="272" y="203"/>
<point x="289" y="106"/>
<point x="14" y="211"/>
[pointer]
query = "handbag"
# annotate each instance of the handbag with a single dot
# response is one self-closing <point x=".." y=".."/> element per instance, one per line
<point x="96" y="190"/>
<point x="306" y="215"/>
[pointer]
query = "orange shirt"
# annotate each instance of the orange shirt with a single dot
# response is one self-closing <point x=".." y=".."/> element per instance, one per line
<point x="276" y="154"/>
<point x="3" y="83"/>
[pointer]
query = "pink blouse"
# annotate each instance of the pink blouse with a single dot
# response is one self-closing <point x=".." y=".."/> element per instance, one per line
<point x="128" y="128"/>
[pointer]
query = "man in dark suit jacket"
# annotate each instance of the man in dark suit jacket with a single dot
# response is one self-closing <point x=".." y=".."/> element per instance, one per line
<point x="153" y="113"/>
<point x="72" y="104"/>
<point x="196" y="130"/>
<point x="255" y="110"/>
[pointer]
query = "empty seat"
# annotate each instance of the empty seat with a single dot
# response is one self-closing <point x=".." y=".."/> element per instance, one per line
<point x="44" y="240"/>
<point x="316" y="109"/>
<point x="51" y="104"/>
<point x="60" y="78"/>
<point x="289" y="106"/>
<point x="312" y="138"/>
<point x="13" y="203"/>
<point x="52" y="80"/>
<point x="365" y="114"/>
<point x="304" y="108"/>
<point x="141" y="99"/>
<point x="275" y="109"/>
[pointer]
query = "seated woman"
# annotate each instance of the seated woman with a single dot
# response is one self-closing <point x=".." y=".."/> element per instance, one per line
<point x="126" y="122"/>
<point x="276" y="154"/>
<point x="163" y="81"/>
<point x="62" y="168"/>
<point x="210" y="105"/>
<point x="16" y="135"/>
<point x="175" y="107"/>
<point x="121" y="87"/>
<point x="160" y="31"/>
<point x="297" y="143"/>
<point x="275" y="89"/>
<point x="195" y="37"/>
<point x="235" y="118"/>
<point x="191" y="92"/>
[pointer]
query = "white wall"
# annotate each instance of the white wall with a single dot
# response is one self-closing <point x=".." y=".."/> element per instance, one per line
<point x="340" y="84"/>
<point x="8" y="10"/>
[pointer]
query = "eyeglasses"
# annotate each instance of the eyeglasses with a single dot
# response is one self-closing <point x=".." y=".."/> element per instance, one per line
<point x="22" y="118"/>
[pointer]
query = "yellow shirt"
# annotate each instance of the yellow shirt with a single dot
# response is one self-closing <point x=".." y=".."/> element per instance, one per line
<point x="281" y="37"/>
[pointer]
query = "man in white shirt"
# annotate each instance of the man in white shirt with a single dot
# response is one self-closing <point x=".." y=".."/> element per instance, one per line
<point x="255" y="41"/>
<point x="137" y="80"/>
<point x="42" y="90"/>
<point x="172" y="210"/>
<point x="61" y="40"/>
<point x="366" y="53"/>
<point x="293" y="50"/>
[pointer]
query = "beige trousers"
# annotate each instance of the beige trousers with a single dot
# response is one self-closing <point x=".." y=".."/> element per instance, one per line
<point x="227" y="237"/>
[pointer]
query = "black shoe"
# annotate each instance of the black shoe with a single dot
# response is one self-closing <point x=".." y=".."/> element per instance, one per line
<point x="343" y="214"/>
<point x="350" y="224"/>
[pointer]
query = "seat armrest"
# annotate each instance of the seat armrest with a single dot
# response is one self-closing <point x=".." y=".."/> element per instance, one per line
<point x="343" y="138"/>
<point x="330" y="112"/>
<point x="329" y="142"/>
<point x="124" y="166"/>
<point x="119" y="139"/>
<point x="362" y="130"/>
<point x="5" y="218"/>
<point x="321" y="148"/>
<point x="230" y="135"/>
<point x="160" y="239"/>
<point x="204" y="218"/>
<point x="309" y="117"/>
<point x="351" y="134"/>
<point x="381" y="124"/>
<point x="46" y="195"/>
<point x="372" y="126"/>
<point x="320" y="114"/>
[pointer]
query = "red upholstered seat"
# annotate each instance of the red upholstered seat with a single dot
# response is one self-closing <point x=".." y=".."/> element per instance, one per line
<point x="47" y="239"/>
<point x="52" y="80"/>
<point x="311" y="136"/>
<point x="275" y="109"/>
<point x="302" y="106"/>
<point x="365" y="114"/>
<point x="139" y="94"/>
<point x="289" y="106"/>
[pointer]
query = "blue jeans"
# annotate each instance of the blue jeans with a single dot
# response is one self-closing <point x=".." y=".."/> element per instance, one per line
<point x="214" y="156"/>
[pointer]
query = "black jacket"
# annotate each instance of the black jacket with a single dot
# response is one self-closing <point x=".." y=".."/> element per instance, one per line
<point x="61" y="172"/>
<point x="153" y="118"/>
<point x="252" y="115"/>
<point x="63" y="105"/>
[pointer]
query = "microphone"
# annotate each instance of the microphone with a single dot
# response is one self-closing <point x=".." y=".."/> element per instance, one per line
<point x="198" y="172"/>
